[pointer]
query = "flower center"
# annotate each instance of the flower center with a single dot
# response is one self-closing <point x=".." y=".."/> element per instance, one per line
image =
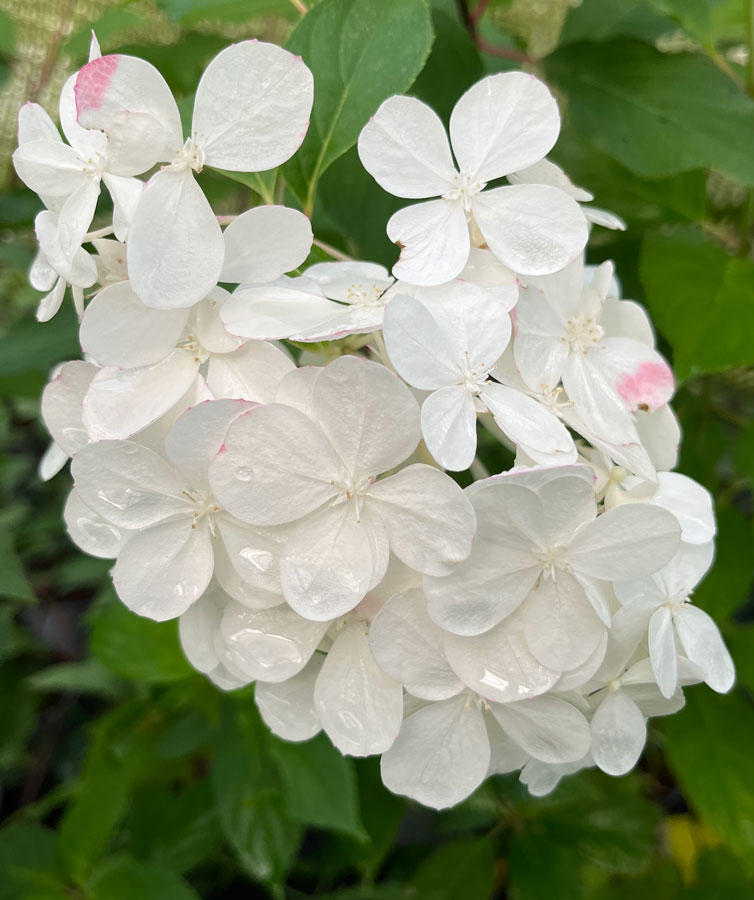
<point x="552" y="560"/>
<point x="365" y="294"/>
<point x="582" y="332"/>
<point x="353" y="489"/>
<point x="190" y="156"/>
<point x="463" y="191"/>
<point x="203" y="506"/>
<point x="191" y="343"/>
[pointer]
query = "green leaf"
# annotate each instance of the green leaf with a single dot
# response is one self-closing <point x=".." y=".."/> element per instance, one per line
<point x="18" y="717"/>
<point x="137" y="648"/>
<point x="179" y="831"/>
<point x="128" y="879"/>
<point x="249" y="805"/>
<point x="700" y="299"/>
<point x="453" y="66"/>
<point x="29" y="346"/>
<point x="7" y="35"/>
<point x="601" y="20"/>
<point x="462" y="868"/>
<point x="727" y="585"/>
<point x="189" y="12"/>
<point x="709" y="746"/>
<point x="319" y="785"/>
<point x="87" y="677"/>
<point x="28" y="863"/>
<point x="658" y="114"/>
<point x="108" y="27"/>
<point x="261" y="182"/>
<point x="360" y="53"/>
<point x="14" y="583"/>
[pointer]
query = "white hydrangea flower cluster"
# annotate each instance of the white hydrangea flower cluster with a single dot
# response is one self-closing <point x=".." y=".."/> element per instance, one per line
<point x="299" y="520"/>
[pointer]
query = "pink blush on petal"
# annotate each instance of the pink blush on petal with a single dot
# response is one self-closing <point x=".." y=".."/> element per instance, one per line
<point x="650" y="385"/>
<point x="93" y="81"/>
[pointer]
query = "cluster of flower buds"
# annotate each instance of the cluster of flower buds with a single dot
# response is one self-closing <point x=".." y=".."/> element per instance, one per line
<point x="293" y="508"/>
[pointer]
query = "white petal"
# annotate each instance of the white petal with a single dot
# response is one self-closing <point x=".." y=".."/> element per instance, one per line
<point x="197" y="435"/>
<point x="119" y="330"/>
<point x="434" y="241"/>
<point x="61" y="405"/>
<point x="568" y="502"/>
<point x="686" y="569"/>
<point x="275" y="466"/>
<point x="546" y="172"/>
<point x="359" y="706"/>
<point x="51" y="462"/>
<point x="503" y="565"/>
<point x="130" y="101"/>
<point x="126" y="193"/>
<point x="349" y="281"/>
<point x="503" y="123"/>
<point x="120" y="402"/>
<point x="441" y="754"/>
<point x="596" y="401"/>
<point x="269" y="644"/>
<point x="198" y="629"/>
<point x="90" y="532"/>
<point x="208" y="325"/>
<point x="662" y="652"/>
<point x="505" y="755"/>
<point x="252" y="373"/>
<point x="75" y="217"/>
<point x="498" y="664"/>
<point x="429" y="520"/>
<point x="417" y="346"/>
<point x="49" y="167"/>
<point x="264" y="243"/>
<point x="405" y="149"/>
<point x="330" y="561"/>
<point x="660" y="434"/>
<point x="449" y="427"/>
<point x="549" y="729"/>
<point x="369" y="416"/>
<point x="175" y="246"/>
<point x="618" y="733"/>
<point x="704" y="646"/>
<point x="234" y="585"/>
<point x="276" y="311"/>
<point x="625" y="542"/>
<point x="128" y="485"/>
<point x="408" y="647"/>
<point x="252" y="107"/>
<point x="578" y="677"/>
<point x="34" y="124"/>
<point x="288" y="708"/>
<point x="164" y="569"/>
<point x="50" y="304"/>
<point x="529" y="425"/>
<point x="533" y="229"/>
<point x="561" y="628"/>
<point x="254" y="553"/>
<point x="690" y="503"/>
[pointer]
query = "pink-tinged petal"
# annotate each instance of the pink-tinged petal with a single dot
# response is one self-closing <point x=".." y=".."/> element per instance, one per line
<point x="130" y="101"/>
<point x="434" y="241"/>
<point x="405" y="149"/>
<point x="532" y="228"/>
<point x="640" y="375"/>
<point x="252" y="107"/>
<point x="503" y="123"/>
<point x="88" y="144"/>
<point x="175" y="245"/>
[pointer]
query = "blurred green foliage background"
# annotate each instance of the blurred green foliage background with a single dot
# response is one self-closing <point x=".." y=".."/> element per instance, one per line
<point x="124" y="774"/>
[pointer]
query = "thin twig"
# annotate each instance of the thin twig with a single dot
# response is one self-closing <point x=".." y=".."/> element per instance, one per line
<point x="473" y="19"/>
<point x="300" y="6"/>
<point x="332" y="251"/>
<point x="750" y="45"/>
